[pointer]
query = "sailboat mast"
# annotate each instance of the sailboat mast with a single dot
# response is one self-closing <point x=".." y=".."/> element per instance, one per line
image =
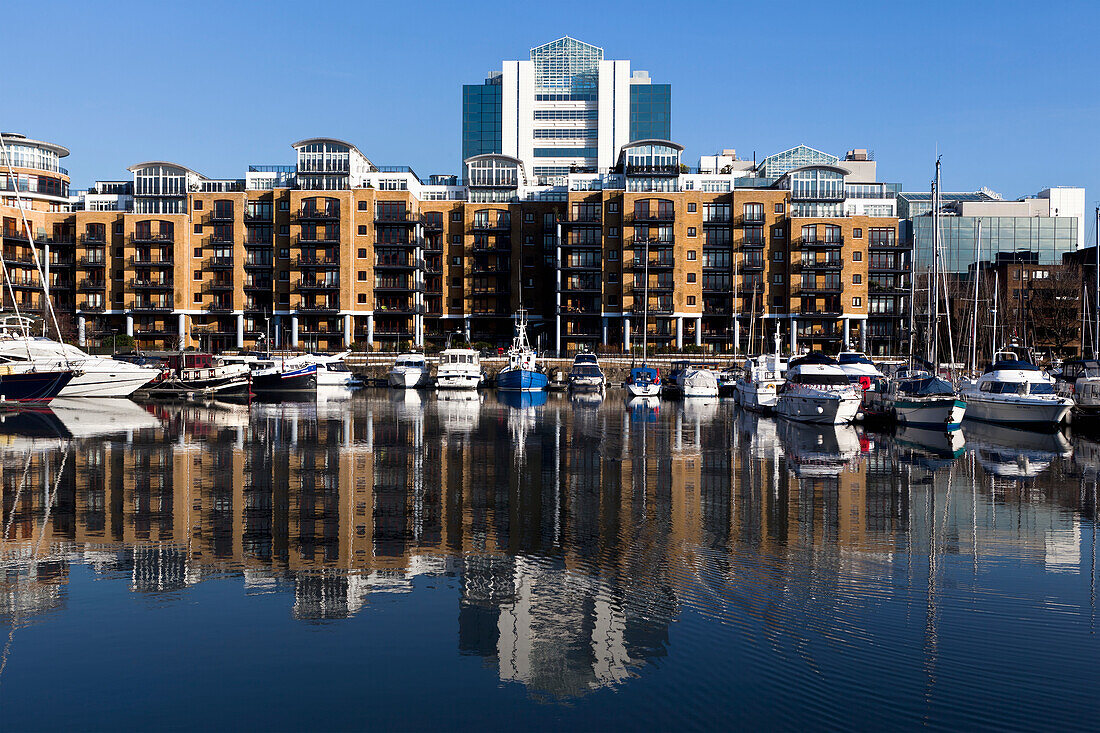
<point x="934" y="295"/>
<point x="974" y="324"/>
<point x="645" y="305"/>
<point x="996" y="293"/>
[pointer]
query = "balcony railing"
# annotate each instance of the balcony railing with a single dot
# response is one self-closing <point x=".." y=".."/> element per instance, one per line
<point x="651" y="216"/>
<point x="151" y="237"/>
<point x="822" y="243"/>
<point x="396" y="217"/>
<point x="143" y="284"/>
<point x="306" y="261"/>
<point x="321" y="213"/>
<point x="149" y="261"/>
<point x="219" y="307"/>
<point x="318" y="238"/>
<point x="142" y="305"/>
<point x="90" y="307"/>
<point x="94" y="261"/>
<point x="218" y="263"/>
<point x="832" y="264"/>
<point x="638" y="263"/>
<point x="217" y="286"/>
<point x="317" y="284"/>
<point x="216" y="215"/>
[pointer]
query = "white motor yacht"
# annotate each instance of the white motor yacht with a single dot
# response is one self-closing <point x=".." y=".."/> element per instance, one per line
<point x="757" y="387"/>
<point x="410" y="371"/>
<point x="859" y="367"/>
<point x="817" y="390"/>
<point x="1016" y="393"/>
<point x="1079" y="380"/>
<point x="93" y="376"/>
<point x="586" y="375"/>
<point x="459" y="368"/>
<point x="332" y="371"/>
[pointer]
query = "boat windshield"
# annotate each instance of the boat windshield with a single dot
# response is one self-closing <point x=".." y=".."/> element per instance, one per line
<point x="1005" y="387"/>
<point x="1042" y="388"/>
<point x="853" y="358"/>
<point x="584" y="359"/>
<point x="826" y="379"/>
<point x="586" y="370"/>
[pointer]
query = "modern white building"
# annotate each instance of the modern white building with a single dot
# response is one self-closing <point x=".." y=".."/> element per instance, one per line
<point x="564" y="109"/>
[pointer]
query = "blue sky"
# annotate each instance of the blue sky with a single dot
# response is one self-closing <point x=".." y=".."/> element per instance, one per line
<point x="1007" y="91"/>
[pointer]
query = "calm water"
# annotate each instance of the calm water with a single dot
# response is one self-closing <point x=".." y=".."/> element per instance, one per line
<point x="407" y="561"/>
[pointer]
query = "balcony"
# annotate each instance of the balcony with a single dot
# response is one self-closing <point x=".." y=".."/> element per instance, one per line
<point x="217" y="286"/>
<point x="218" y="216"/>
<point x="751" y="265"/>
<point x="399" y="263"/>
<point x="752" y="243"/>
<point x="148" y="261"/>
<point x="638" y="291"/>
<point x="661" y="243"/>
<point x="312" y="285"/>
<point x="653" y="309"/>
<point x="261" y="285"/>
<point x="318" y="307"/>
<point x="150" y="305"/>
<point x="149" y="238"/>
<point x="820" y="334"/>
<point x="219" y="308"/>
<point x="320" y="213"/>
<point x="410" y="287"/>
<point x="319" y="262"/>
<point x="218" y="263"/>
<point x="485" y="225"/>
<point x="492" y="248"/>
<point x="594" y="267"/>
<point x="752" y="220"/>
<point x="257" y="217"/>
<point x="318" y="238"/>
<point x="655" y="263"/>
<point x="652" y="170"/>
<point x="92" y="262"/>
<point x="886" y="244"/>
<point x="717" y="221"/>
<point x="501" y="269"/>
<point x="824" y="313"/>
<point x="88" y="307"/>
<point x="591" y="244"/>
<point x="831" y="264"/>
<point x="822" y="243"/>
<point x="651" y="217"/>
<point x="142" y="284"/>
<point x="892" y="267"/>
<point x="251" y="263"/>
<point x="433" y="224"/>
<point x="403" y="217"/>
<point x="93" y="240"/>
<point x="593" y="286"/>
<point x="826" y="289"/>
<point x="397" y="310"/>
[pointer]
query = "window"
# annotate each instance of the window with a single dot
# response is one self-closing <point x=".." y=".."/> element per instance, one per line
<point x="364" y="206"/>
<point x="857" y="279"/>
<point x="118" y="227"/>
<point x="362" y="229"/>
<point x="1015" y="274"/>
<point x="284" y="253"/>
<point x="777" y="301"/>
<point x="197" y="274"/>
<point x="613" y="255"/>
<point x="284" y="276"/>
<point x="691" y="300"/>
<point x="857" y="302"/>
<point x="197" y="252"/>
<point x="613" y="301"/>
<point x="691" y="277"/>
<point x="753" y="213"/>
<point x="857" y="257"/>
<point x="778" y="233"/>
<point x="456" y="281"/>
<point x="857" y="233"/>
<point x="196" y="298"/>
<point x="456" y="239"/>
<point x="529" y="217"/>
<point x="777" y="256"/>
<point x="691" y="231"/>
<point x="777" y="278"/>
<point x="691" y="254"/>
<point x="284" y="229"/>
<point x="691" y="208"/>
<point x="613" y="207"/>
<point x="198" y="229"/>
<point x="456" y="260"/>
<point x="198" y="205"/>
<point x="529" y="239"/>
<point x="362" y="253"/>
<point x="613" y="232"/>
<point x="361" y="298"/>
<point x="362" y="275"/>
<point x="456" y="215"/>
<point x="779" y="208"/>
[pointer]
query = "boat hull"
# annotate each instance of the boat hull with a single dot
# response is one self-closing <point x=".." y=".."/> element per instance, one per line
<point x="295" y="381"/>
<point x="946" y="413"/>
<point x="1017" y="412"/>
<point x="586" y="384"/>
<point x="521" y="380"/>
<point x="409" y="378"/>
<point x="33" y="386"/>
<point x="821" y="409"/>
<point x="643" y="389"/>
<point x="757" y="396"/>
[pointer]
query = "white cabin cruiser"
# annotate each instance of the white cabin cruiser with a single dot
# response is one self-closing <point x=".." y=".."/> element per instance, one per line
<point x="410" y="371"/>
<point x="459" y="368"/>
<point x="757" y="387"/>
<point x="1079" y="380"/>
<point x="818" y="391"/>
<point x="93" y="376"/>
<point x="332" y="371"/>
<point x="859" y="367"/>
<point x="586" y="375"/>
<point x="1016" y="393"/>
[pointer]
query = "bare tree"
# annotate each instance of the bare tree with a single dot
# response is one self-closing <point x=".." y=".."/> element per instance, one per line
<point x="1053" y="308"/>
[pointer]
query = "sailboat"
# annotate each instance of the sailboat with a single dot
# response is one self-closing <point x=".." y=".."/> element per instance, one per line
<point x="645" y="381"/>
<point x="758" y="386"/>
<point x="522" y="373"/>
<point x="915" y="396"/>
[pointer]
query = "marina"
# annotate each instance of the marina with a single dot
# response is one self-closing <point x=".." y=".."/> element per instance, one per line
<point x="548" y="558"/>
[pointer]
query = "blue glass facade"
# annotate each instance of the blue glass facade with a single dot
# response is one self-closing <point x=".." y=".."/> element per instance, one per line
<point x="481" y="128"/>
<point x="650" y="111"/>
<point x="1045" y="239"/>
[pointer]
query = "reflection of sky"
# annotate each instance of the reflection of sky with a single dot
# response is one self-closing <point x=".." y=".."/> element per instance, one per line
<point x="567" y="566"/>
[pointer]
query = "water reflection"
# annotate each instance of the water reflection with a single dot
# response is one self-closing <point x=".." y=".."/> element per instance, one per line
<point x="579" y="531"/>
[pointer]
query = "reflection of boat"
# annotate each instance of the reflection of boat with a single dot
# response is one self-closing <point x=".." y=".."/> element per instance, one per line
<point x="945" y="443"/>
<point x="759" y="432"/>
<point x="522" y="400"/>
<point x="329" y="393"/>
<point x="458" y="411"/>
<point x="89" y="416"/>
<point x="815" y="450"/>
<point x="1009" y="452"/>
<point x="586" y="399"/>
<point x="644" y="409"/>
<point x="407" y="401"/>
<point x="700" y="410"/>
<point x="410" y="371"/>
<point x="1015" y="392"/>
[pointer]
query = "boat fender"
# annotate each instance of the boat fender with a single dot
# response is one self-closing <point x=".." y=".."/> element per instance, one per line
<point x="820" y="410"/>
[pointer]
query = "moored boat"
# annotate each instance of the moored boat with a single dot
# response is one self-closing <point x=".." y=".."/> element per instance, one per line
<point x="410" y="371"/>
<point x="817" y="391"/>
<point x="920" y="399"/>
<point x="276" y="378"/>
<point x="585" y="374"/>
<point x="691" y="380"/>
<point x="757" y="388"/>
<point x="459" y="368"/>
<point x="644" y="381"/>
<point x="1016" y="393"/>
<point x="522" y="373"/>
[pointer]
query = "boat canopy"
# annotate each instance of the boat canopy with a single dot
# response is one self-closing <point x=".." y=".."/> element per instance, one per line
<point x="853" y="357"/>
<point x="644" y="374"/>
<point x="584" y="358"/>
<point x="814" y="357"/>
<point x="1017" y="364"/>
<point x="926" y="387"/>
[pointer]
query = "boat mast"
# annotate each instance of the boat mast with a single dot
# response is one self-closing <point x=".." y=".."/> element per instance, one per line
<point x="645" y="304"/>
<point x="996" y="293"/>
<point x="1096" y="297"/>
<point x="934" y="293"/>
<point x="974" y="325"/>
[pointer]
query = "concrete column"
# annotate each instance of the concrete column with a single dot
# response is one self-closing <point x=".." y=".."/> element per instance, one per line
<point x="736" y="335"/>
<point x="466" y="327"/>
<point x="794" y="336"/>
<point x="626" y="334"/>
<point x="679" y="332"/>
<point x="370" y="330"/>
<point x="699" y="331"/>
<point x="240" y="330"/>
<point x="181" y="330"/>
<point x="845" y="326"/>
<point x="129" y="325"/>
<point x="863" y="336"/>
<point x="347" y="329"/>
<point x="81" y="340"/>
<point x="603" y="338"/>
<point x="294" y="331"/>
<point x="276" y="332"/>
<point x="557" y="334"/>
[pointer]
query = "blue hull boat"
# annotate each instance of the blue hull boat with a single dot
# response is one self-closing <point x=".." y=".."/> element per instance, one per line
<point x="521" y="380"/>
<point x="522" y="400"/>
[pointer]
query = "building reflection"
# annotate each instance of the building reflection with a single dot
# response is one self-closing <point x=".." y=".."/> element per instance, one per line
<point x="577" y="531"/>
